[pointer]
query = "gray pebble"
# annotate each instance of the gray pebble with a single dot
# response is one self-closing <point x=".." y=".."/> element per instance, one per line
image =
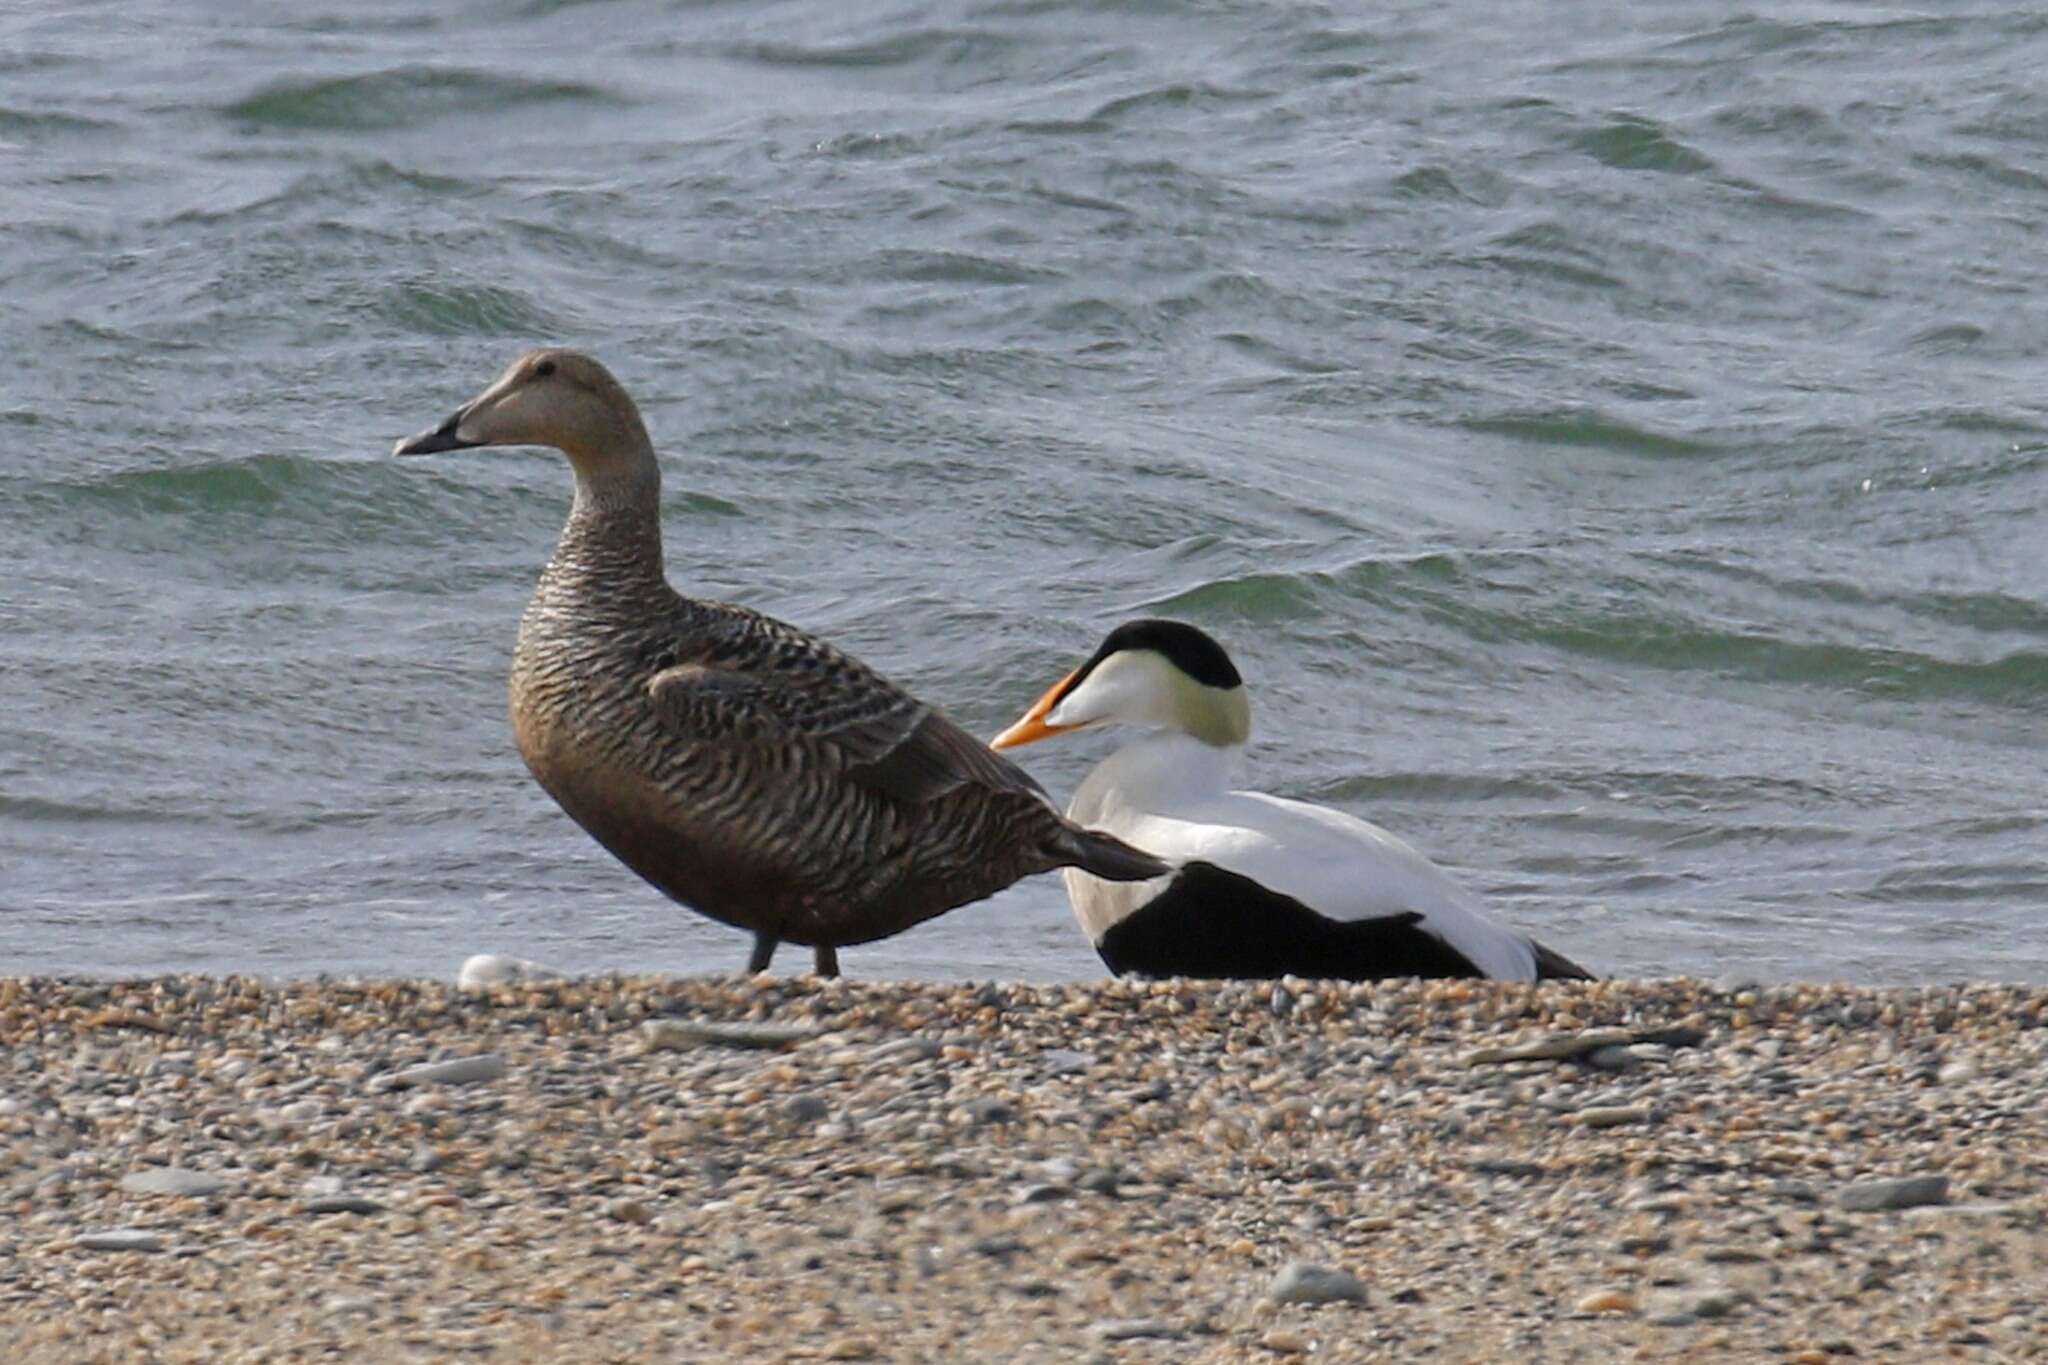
<point x="1673" y="1320"/>
<point x="1061" y="1061"/>
<point x="906" y="1049"/>
<point x="1102" y="1180"/>
<point x="1610" y="1116"/>
<point x="423" y="1160"/>
<point x="991" y="1111"/>
<point x="342" y="1203"/>
<point x="806" y="1108"/>
<point x="121" y="1239"/>
<point x="1613" y="1057"/>
<point x="173" y="1180"/>
<point x="1304" y="1282"/>
<point x="1042" y="1194"/>
<point x="1870" y="1196"/>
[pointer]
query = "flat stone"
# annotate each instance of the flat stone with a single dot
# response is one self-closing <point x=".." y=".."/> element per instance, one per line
<point x="175" y="1181"/>
<point x="1132" y="1329"/>
<point x="121" y="1239"/>
<point x="1606" y="1301"/>
<point x="483" y="1066"/>
<point x="1306" y="1282"/>
<point x="1042" y="1194"/>
<point x="1061" y="1061"/>
<point x="1871" y="1196"/>
<point x="1614" y="1057"/>
<point x="906" y="1050"/>
<point x="664" y="1035"/>
<point x="1610" y="1116"/>
<point x="1556" y="1047"/>
<point x="342" y="1203"/>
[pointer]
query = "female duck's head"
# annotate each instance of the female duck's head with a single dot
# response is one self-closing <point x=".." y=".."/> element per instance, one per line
<point x="553" y="397"/>
<point x="1155" y="675"/>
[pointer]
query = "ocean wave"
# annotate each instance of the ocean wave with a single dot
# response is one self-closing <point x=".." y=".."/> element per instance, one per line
<point x="402" y="97"/>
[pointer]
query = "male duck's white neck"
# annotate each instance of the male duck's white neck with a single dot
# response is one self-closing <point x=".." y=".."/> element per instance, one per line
<point x="1155" y="773"/>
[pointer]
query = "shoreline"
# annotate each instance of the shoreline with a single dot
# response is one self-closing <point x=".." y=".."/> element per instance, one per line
<point x="786" y="1169"/>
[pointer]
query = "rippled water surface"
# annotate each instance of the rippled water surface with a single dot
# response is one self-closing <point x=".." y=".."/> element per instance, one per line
<point x="1611" y="439"/>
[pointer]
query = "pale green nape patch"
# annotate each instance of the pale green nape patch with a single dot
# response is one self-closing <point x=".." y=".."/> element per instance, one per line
<point x="1214" y="715"/>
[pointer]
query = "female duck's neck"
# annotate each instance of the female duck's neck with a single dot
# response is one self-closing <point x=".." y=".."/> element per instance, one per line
<point x="614" y="527"/>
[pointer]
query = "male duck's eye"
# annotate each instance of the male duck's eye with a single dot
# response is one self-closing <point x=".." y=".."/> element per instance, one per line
<point x="544" y="369"/>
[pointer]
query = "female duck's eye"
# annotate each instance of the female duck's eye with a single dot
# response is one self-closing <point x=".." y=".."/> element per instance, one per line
<point x="544" y="369"/>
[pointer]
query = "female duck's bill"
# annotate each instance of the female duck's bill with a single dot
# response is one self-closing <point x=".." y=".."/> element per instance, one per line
<point x="1265" y="886"/>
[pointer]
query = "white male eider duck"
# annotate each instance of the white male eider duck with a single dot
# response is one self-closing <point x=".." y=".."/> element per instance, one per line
<point x="1265" y="886"/>
<point x="752" y="772"/>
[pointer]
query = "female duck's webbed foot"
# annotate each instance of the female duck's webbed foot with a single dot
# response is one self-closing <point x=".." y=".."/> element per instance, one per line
<point x="764" y="953"/>
<point x="827" y="959"/>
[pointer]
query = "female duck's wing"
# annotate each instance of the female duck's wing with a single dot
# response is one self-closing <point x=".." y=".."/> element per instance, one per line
<point x="880" y="736"/>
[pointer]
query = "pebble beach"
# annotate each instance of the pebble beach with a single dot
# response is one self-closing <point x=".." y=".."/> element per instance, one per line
<point x="784" y="1169"/>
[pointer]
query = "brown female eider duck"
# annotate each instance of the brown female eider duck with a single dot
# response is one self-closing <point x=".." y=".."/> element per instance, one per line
<point x="750" y="771"/>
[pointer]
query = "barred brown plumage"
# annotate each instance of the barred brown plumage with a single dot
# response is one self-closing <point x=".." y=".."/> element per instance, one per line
<point x="750" y="771"/>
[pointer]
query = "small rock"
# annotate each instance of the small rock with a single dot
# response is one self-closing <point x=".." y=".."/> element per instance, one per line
<point x="1101" y="1180"/>
<point x="423" y="1160"/>
<point x="1610" y="1116"/>
<point x="301" y="1111"/>
<point x="664" y="1035"/>
<point x="1285" y="1342"/>
<point x="1796" y="1190"/>
<point x="1870" y="1196"/>
<point x="1061" y="1061"/>
<point x="850" y="1348"/>
<point x="485" y="970"/>
<point x="629" y="1211"/>
<point x="906" y="1049"/>
<point x="1042" y="1194"/>
<point x="1131" y="1329"/>
<point x="483" y="1066"/>
<point x="121" y="1239"/>
<point x="175" y="1181"/>
<point x="1606" y="1301"/>
<point x="1304" y="1282"/>
<point x="1673" y="1320"/>
<point x="991" y="1111"/>
<point x="806" y="1107"/>
<point x="1062" y="1169"/>
<point x="343" y="1203"/>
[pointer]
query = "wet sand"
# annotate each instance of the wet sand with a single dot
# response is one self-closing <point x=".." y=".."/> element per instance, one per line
<point x="786" y="1169"/>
